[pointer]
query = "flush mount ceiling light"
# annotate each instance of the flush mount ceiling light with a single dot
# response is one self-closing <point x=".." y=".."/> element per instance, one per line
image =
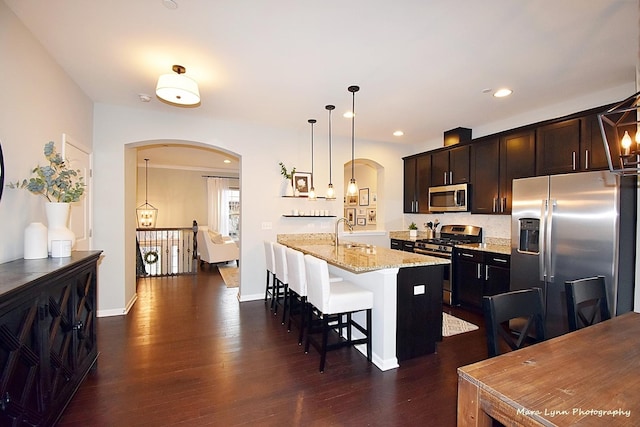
<point x="352" y="189"/>
<point x="178" y="88"/>
<point x="617" y="124"/>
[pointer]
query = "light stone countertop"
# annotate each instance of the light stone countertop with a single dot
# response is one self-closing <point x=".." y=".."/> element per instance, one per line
<point x="487" y="247"/>
<point x="357" y="259"/>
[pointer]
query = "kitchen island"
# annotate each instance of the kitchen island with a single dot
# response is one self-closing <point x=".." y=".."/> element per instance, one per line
<point x="407" y="293"/>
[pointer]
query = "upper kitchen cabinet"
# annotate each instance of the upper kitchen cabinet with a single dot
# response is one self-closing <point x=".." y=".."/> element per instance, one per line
<point x="495" y="163"/>
<point x="558" y="147"/>
<point x="594" y="156"/>
<point x="417" y="179"/>
<point x="570" y="146"/>
<point x="450" y="166"/>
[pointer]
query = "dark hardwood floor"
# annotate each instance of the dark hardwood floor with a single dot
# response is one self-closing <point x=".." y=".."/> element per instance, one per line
<point x="189" y="353"/>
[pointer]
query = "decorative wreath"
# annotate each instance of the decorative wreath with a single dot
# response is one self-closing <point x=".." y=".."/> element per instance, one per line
<point x="151" y="257"/>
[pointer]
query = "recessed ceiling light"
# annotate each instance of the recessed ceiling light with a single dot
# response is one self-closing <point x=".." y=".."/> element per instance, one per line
<point x="170" y="4"/>
<point x="501" y="93"/>
<point x="398" y="133"/>
<point x="227" y="161"/>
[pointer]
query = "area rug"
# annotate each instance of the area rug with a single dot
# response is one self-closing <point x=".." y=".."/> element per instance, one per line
<point x="229" y="275"/>
<point x="451" y="325"/>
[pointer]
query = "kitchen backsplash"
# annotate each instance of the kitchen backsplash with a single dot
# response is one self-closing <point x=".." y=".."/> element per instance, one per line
<point x="495" y="228"/>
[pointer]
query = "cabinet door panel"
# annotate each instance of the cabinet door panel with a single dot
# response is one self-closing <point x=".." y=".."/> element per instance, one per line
<point x="440" y="168"/>
<point x="484" y="176"/>
<point x="423" y="182"/>
<point x="459" y="165"/>
<point x="409" y="185"/>
<point x="21" y="365"/>
<point x="592" y="150"/>
<point x="557" y="147"/>
<point x="517" y="160"/>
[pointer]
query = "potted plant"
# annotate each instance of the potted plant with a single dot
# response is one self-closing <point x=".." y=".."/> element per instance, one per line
<point x="413" y="230"/>
<point x="287" y="184"/>
<point x="61" y="186"/>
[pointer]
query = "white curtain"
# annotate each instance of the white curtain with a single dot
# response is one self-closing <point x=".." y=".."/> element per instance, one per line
<point x="218" y="205"/>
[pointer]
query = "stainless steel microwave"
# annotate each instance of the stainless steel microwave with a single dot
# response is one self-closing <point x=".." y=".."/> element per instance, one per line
<point x="449" y="198"/>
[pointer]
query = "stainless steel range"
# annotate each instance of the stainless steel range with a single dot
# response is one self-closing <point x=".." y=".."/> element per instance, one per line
<point x="442" y="247"/>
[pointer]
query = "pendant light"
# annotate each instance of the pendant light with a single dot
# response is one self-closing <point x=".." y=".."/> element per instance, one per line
<point x="312" y="190"/>
<point x="178" y="88"/>
<point x="331" y="193"/>
<point x="146" y="213"/>
<point x="352" y="189"/>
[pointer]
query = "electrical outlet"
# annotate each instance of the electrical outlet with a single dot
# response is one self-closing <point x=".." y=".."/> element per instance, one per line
<point x="267" y="225"/>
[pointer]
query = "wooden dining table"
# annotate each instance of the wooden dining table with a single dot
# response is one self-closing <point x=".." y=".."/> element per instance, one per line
<point x="590" y="377"/>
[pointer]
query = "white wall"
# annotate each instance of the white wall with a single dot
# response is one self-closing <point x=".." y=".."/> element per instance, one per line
<point x="40" y="102"/>
<point x="260" y="149"/>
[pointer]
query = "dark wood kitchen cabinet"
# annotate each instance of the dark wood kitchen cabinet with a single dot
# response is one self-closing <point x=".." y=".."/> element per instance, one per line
<point x="417" y="179"/>
<point x="593" y="154"/>
<point x="478" y="273"/>
<point x="495" y="163"/>
<point x="450" y="166"/>
<point x="558" y="147"/>
<point x="48" y="340"/>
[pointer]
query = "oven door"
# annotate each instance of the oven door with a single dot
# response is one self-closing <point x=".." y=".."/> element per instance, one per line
<point x="449" y="198"/>
<point x="447" y="292"/>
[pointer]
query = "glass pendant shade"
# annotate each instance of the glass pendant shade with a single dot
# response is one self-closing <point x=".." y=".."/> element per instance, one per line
<point x="178" y="88"/>
<point x="312" y="191"/>
<point x="352" y="189"/>
<point x="331" y="193"/>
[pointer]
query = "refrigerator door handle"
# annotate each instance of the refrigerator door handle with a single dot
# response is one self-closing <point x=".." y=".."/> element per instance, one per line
<point x="550" y="267"/>
<point x="544" y="204"/>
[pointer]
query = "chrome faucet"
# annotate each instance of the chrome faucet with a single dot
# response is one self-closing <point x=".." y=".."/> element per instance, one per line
<point x="346" y="221"/>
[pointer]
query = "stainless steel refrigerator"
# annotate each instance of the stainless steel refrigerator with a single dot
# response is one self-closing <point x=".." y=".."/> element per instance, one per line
<point x="566" y="227"/>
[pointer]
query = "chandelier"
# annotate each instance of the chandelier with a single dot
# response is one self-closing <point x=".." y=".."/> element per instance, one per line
<point x="146" y="213"/>
<point x="619" y="127"/>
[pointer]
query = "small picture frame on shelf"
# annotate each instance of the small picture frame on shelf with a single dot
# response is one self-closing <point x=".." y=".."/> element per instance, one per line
<point x="364" y="197"/>
<point x="361" y="221"/>
<point x="301" y="183"/>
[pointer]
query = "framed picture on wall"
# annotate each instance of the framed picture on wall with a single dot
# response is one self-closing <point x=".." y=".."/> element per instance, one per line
<point x="352" y="200"/>
<point x="302" y="183"/>
<point x="362" y="220"/>
<point x="364" y="197"/>
<point x="371" y="216"/>
<point x="350" y="214"/>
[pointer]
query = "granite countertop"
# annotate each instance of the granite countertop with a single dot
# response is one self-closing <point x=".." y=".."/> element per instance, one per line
<point x="356" y="257"/>
<point x="487" y="247"/>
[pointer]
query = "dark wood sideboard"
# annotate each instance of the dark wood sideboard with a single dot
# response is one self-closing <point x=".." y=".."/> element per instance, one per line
<point x="48" y="339"/>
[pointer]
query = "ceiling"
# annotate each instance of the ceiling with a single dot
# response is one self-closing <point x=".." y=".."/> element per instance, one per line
<point x="423" y="66"/>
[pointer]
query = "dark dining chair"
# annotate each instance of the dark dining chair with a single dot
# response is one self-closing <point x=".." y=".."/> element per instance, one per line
<point x="586" y="302"/>
<point x="517" y="317"/>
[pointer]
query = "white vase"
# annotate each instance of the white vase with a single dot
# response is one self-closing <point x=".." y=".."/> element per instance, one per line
<point x="286" y="188"/>
<point x="35" y="241"/>
<point x="413" y="233"/>
<point x="58" y="219"/>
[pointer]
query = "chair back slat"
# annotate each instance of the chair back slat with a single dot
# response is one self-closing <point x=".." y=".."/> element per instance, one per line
<point x="525" y="310"/>
<point x="587" y="302"/>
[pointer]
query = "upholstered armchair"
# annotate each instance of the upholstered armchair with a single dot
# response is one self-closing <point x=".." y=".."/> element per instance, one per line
<point x="214" y="248"/>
